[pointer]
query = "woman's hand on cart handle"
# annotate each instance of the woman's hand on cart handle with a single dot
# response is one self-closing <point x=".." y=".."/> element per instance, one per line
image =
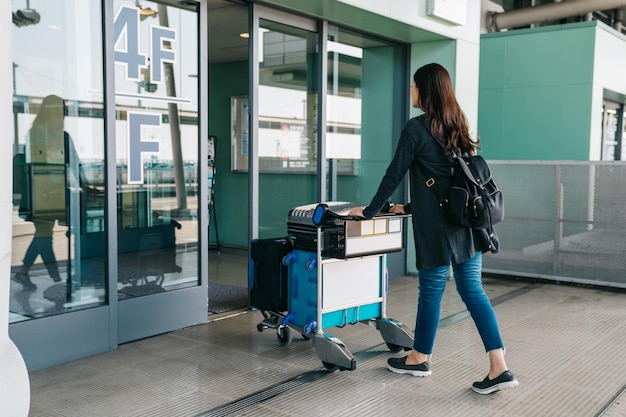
<point x="357" y="212"/>
<point x="397" y="208"/>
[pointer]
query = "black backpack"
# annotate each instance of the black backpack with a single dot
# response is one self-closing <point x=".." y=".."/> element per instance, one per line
<point x="473" y="200"/>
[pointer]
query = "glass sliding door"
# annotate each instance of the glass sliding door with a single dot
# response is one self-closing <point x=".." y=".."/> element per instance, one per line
<point x="365" y="110"/>
<point x="157" y="148"/>
<point x="366" y="107"/>
<point x="158" y="144"/>
<point x="287" y="104"/>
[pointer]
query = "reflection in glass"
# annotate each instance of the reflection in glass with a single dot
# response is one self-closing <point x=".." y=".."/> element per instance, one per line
<point x="287" y="139"/>
<point x="157" y="147"/>
<point x="58" y="160"/>
<point x="360" y="116"/>
<point x="613" y="143"/>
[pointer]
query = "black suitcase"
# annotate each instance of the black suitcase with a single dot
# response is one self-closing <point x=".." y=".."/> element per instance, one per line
<point x="268" y="280"/>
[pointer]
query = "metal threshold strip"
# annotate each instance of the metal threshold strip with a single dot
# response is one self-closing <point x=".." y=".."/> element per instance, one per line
<point x="265" y="394"/>
<point x="304" y="378"/>
<point x="610" y="402"/>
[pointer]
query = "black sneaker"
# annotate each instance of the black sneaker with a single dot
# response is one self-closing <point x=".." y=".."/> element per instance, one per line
<point x="24" y="279"/>
<point x="504" y="381"/>
<point x="398" y="365"/>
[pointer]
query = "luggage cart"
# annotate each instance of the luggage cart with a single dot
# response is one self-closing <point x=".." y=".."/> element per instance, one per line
<point x="343" y="280"/>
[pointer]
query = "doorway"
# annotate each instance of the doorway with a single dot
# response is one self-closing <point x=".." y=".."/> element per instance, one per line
<point x="268" y="126"/>
<point x="228" y="40"/>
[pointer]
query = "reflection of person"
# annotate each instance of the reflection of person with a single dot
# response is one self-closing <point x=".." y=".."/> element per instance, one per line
<point x="437" y="242"/>
<point x="48" y="147"/>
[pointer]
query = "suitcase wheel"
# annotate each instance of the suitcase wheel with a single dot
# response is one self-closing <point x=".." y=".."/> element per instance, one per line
<point x="310" y="265"/>
<point x="283" y="334"/>
<point x="288" y="258"/>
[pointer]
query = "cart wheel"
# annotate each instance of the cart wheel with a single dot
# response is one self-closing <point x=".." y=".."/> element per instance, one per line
<point x="260" y="327"/>
<point x="330" y="367"/>
<point x="394" y="348"/>
<point x="305" y="336"/>
<point x="283" y="334"/>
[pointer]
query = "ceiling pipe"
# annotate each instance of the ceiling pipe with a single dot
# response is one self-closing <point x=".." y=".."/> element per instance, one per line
<point x="547" y="13"/>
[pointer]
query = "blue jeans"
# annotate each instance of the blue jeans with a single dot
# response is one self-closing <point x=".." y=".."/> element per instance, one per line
<point x="467" y="276"/>
<point x="42" y="245"/>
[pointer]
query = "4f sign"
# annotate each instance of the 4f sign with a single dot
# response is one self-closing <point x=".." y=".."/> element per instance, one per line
<point x="128" y="54"/>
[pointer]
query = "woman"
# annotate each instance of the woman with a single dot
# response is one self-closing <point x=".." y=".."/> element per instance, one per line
<point x="428" y="141"/>
<point x="47" y="150"/>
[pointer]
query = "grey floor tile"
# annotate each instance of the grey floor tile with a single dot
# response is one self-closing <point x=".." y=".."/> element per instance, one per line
<point x="564" y="344"/>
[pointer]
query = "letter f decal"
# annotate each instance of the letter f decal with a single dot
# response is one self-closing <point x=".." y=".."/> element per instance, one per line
<point x="136" y="146"/>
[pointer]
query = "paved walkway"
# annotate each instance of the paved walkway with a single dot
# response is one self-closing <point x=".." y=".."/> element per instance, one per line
<point x="565" y="345"/>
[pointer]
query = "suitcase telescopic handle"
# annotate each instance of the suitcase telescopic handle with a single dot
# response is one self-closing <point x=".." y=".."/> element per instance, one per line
<point x="322" y="213"/>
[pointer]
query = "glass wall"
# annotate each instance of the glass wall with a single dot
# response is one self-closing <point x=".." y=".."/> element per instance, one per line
<point x="58" y="159"/>
<point x="59" y="225"/>
<point x="59" y="250"/>
<point x="69" y="198"/>
<point x="157" y="147"/>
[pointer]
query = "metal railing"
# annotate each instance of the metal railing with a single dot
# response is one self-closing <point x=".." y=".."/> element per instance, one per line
<point x="564" y="221"/>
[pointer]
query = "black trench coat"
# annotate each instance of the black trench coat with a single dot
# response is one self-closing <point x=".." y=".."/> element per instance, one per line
<point x="434" y="236"/>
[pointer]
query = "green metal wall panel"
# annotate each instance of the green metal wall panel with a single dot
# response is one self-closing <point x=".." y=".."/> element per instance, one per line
<point x="377" y="105"/>
<point x="491" y="122"/>
<point x="231" y="188"/>
<point x="555" y="57"/>
<point x="549" y="122"/>
<point x="535" y="93"/>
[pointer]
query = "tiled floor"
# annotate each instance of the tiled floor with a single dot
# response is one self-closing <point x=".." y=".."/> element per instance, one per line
<point x="564" y="343"/>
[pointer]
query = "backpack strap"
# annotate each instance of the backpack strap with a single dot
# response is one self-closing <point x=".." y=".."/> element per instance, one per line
<point x="431" y="180"/>
<point x="432" y="184"/>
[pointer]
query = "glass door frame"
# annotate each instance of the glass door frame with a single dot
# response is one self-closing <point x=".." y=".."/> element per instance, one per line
<point x="326" y="187"/>
<point x="134" y="318"/>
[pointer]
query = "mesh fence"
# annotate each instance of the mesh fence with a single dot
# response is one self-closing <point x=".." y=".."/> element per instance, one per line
<point x="564" y="221"/>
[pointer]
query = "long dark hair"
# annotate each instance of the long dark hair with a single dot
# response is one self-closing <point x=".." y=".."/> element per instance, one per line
<point x="447" y="121"/>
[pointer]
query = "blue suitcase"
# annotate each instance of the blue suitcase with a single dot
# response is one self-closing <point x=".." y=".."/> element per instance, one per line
<point x="352" y="290"/>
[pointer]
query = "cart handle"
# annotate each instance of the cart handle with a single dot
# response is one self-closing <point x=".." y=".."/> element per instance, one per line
<point x="322" y="212"/>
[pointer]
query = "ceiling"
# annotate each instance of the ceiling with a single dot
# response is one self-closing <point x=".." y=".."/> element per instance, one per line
<point x="227" y="20"/>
